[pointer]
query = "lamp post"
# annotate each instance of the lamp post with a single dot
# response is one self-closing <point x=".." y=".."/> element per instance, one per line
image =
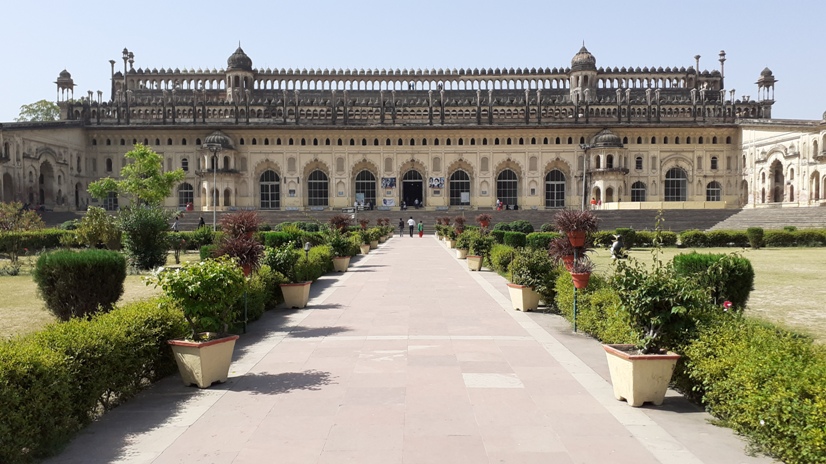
<point x="127" y="57"/>
<point x="214" y="148"/>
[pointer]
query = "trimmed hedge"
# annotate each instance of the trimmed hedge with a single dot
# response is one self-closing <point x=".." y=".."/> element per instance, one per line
<point x="766" y="383"/>
<point x="515" y="239"/>
<point x="34" y="240"/>
<point x="79" y="284"/>
<point x="598" y="309"/>
<point x="541" y="240"/>
<point x="729" y="277"/>
<point x="500" y="258"/>
<point x="498" y="236"/>
<point x="57" y="380"/>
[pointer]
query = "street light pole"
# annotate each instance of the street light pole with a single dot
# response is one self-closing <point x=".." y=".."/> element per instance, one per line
<point x="214" y="148"/>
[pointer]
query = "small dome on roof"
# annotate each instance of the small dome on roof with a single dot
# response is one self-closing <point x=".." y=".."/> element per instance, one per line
<point x="766" y="72"/>
<point x="606" y="138"/>
<point x="67" y="75"/>
<point x="583" y="61"/>
<point x="219" y="138"/>
<point x="239" y="60"/>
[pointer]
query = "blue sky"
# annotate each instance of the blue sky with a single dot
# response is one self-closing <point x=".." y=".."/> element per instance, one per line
<point x="44" y="37"/>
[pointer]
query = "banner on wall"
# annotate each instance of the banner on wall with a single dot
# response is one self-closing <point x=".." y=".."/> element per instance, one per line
<point x="388" y="201"/>
<point x="388" y="182"/>
<point x="436" y="182"/>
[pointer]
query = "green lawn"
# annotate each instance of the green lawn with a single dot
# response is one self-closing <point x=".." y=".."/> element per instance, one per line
<point x="22" y="311"/>
<point x="789" y="289"/>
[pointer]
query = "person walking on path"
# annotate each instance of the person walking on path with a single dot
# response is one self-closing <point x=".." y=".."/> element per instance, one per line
<point x="411" y="223"/>
<point x="201" y="222"/>
<point x="401" y="227"/>
<point x="175" y="225"/>
<point x="421" y="228"/>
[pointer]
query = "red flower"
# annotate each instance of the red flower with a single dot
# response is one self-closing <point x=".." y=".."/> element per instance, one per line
<point x="726" y="305"/>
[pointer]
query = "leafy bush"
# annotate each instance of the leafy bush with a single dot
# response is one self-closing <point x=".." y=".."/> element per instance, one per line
<point x="464" y="239"/>
<point x="502" y="226"/>
<point x="600" y="238"/>
<point x="69" y="225"/>
<point x="500" y="258"/>
<point x="729" y="277"/>
<point x="766" y="383"/>
<point x="534" y="269"/>
<point x="498" y="235"/>
<point x="755" y="236"/>
<point x="810" y="237"/>
<point x="778" y="238"/>
<point x="15" y="243"/>
<point x="14" y="219"/>
<point x="208" y="251"/>
<point x="598" y="309"/>
<point x="144" y="235"/>
<point x="521" y="226"/>
<point x="99" y="229"/>
<point x="789" y="228"/>
<point x="645" y="238"/>
<point x="199" y="237"/>
<point x="540" y="240"/>
<point x="79" y="284"/>
<point x="548" y="228"/>
<point x="515" y="239"/>
<point x="277" y="238"/>
<point x="628" y="236"/>
<point x="727" y="238"/>
<point x="61" y="378"/>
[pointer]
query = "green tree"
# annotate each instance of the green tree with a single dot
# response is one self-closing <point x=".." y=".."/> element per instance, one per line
<point x="142" y="178"/>
<point x="42" y="110"/>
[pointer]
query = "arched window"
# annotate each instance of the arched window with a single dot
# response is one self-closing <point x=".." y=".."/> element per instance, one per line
<point x="609" y="162"/>
<point x="676" y="182"/>
<point x="555" y="189"/>
<point x="270" y="187"/>
<point x="184" y="164"/>
<point x="459" y="182"/>
<point x="317" y="189"/>
<point x="714" y="164"/>
<point x="638" y="191"/>
<point x="366" y="185"/>
<point x="507" y="187"/>
<point x="226" y="163"/>
<point x="185" y="194"/>
<point x="713" y="191"/>
<point x="108" y="164"/>
<point x="638" y="163"/>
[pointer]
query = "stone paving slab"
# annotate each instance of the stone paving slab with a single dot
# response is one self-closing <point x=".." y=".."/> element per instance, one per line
<point x="406" y="358"/>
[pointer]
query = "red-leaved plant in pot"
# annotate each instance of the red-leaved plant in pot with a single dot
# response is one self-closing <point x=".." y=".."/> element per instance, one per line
<point x="576" y="225"/>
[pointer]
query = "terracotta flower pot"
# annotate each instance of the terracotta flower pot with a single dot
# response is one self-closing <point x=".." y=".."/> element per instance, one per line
<point x="577" y="238"/>
<point x="581" y="279"/>
<point x="568" y="262"/>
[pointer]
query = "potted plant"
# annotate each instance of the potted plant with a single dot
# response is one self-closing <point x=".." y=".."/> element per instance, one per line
<point x="340" y="247"/>
<point x="479" y="247"/>
<point x="375" y="234"/>
<point x="341" y="222"/>
<point x="463" y="243"/>
<point x="363" y="223"/>
<point x="576" y="224"/>
<point x="560" y="250"/>
<point x="451" y="237"/>
<point x="238" y="241"/>
<point x="205" y="291"/>
<point x="364" y="240"/>
<point x="286" y="260"/>
<point x="581" y="270"/>
<point x="531" y="271"/>
<point x="484" y="220"/>
<point x="459" y="225"/>
<point x="658" y="302"/>
<point x="241" y="224"/>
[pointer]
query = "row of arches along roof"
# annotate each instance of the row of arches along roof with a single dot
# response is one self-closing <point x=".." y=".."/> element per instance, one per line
<point x="417" y="72"/>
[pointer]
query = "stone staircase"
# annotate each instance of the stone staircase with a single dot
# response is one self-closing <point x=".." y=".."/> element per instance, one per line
<point x="775" y="218"/>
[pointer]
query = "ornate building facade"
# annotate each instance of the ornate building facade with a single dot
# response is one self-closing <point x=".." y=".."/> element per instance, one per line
<point x="324" y="139"/>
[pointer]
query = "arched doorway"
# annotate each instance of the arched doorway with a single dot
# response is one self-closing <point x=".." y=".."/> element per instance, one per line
<point x="555" y="189"/>
<point x="270" y="187"/>
<point x="227" y="197"/>
<point x="46" y="182"/>
<point x="186" y="194"/>
<point x="507" y="187"/>
<point x="412" y="187"/>
<point x="459" y="183"/>
<point x="777" y="181"/>
<point x="8" y="188"/>
<point x="366" y="187"/>
<point x="814" y="185"/>
<point x="78" y="188"/>
<point x="676" y="185"/>
<point x="609" y="195"/>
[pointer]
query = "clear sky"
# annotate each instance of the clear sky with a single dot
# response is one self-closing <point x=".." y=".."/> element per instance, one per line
<point x="43" y="37"/>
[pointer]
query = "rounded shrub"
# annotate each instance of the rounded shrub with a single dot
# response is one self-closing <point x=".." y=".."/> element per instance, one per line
<point x="755" y="237"/>
<point x="522" y="226"/>
<point x="498" y="235"/>
<point x="79" y="284"/>
<point x="693" y="239"/>
<point x="515" y="239"/>
<point x="729" y="277"/>
<point x="541" y="240"/>
<point x="144" y="235"/>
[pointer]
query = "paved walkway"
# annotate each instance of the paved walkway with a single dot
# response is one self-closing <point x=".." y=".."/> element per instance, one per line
<point x="406" y="358"/>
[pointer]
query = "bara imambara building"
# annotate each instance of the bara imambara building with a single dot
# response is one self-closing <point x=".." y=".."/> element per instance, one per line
<point x="313" y="139"/>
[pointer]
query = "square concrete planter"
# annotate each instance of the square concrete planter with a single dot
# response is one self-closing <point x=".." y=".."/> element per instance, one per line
<point x="474" y="263"/>
<point x="523" y="298"/>
<point x="639" y="378"/>
<point x="203" y="363"/>
<point x="296" y="295"/>
<point x="341" y="263"/>
<point x="365" y="248"/>
<point x="461" y="253"/>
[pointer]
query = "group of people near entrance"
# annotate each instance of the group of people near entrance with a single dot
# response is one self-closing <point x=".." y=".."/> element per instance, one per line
<point x="411" y="223"/>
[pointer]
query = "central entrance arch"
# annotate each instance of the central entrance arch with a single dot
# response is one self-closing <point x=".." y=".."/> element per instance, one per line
<point x="412" y="187"/>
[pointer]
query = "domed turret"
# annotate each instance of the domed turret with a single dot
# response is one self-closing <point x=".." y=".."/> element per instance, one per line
<point x="239" y="61"/>
<point x="219" y="138"/>
<point x="584" y="61"/>
<point x="605" y="139"/>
